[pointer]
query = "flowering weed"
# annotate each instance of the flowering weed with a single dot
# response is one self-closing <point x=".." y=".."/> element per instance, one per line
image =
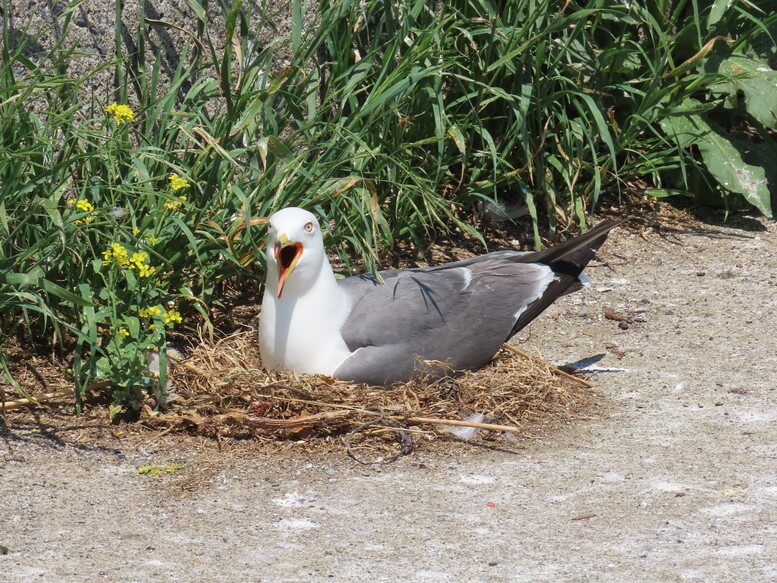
<point x="120" y="113"/>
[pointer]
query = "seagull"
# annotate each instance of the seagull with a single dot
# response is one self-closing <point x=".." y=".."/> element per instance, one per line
<point x="406" y="323"/>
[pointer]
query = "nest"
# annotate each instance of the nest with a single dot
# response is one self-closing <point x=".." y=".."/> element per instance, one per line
<point x="220" y="391"/>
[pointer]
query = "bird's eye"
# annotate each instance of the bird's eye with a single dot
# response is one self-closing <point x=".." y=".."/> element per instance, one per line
<point x="309" y="227"/>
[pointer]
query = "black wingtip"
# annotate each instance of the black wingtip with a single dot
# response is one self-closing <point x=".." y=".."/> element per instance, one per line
<point x="578" y="250"/>
<point x="567" y="260"/>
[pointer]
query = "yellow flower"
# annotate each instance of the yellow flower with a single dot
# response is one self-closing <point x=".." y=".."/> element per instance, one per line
<point x="84" y="205"/>
<point x="138" y="261"/>
<point x="177" y="182"/>
<point x="172" y="316"/>
<point x="138" y="258"/>
<point x="174" y="205"/>
<point x="120" y="254"/>
<point x="123" y="332"/>
<point x="150" y="312"/>
<point x="146" y="270"/>
<point x="117" y="253"/>
<point x="135" y="231"/>
<point x="152" y="240"/>
<point x="121" y="113"/>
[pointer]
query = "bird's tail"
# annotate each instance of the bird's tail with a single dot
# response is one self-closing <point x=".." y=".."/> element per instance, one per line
<point x="567" y="261"/>
<point x="578" y="250"/>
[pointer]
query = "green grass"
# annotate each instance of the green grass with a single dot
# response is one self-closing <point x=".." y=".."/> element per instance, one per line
<point x="392" y="120"/>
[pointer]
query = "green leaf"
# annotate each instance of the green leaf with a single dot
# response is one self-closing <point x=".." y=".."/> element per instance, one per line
<point x="755" y="80"/>
<point x="761" y="43"/>
<point x="64" y="294"/>
<point x="198" y="10"/>
<point x="24" y="279"/>
<point x="718" y="11"/>
<point x="666" y="192"/>
<point x="277" y="147"/>
<point x="104" y="366"/>
<point x="381" y="97"/>
<point x="90" y="318"/>
<point x="133" y="325"/>
<point x="763" y="154"/>
<point x="723" y="158"/>
<point x="458" y="139"/>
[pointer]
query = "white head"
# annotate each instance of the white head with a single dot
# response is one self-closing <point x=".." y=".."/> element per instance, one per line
<point x="294" y="245"/>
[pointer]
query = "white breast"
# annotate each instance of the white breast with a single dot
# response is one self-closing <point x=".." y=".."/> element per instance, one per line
<point x="303" y="335"/>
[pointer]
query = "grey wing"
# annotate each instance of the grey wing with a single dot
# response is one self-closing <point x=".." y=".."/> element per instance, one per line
<point x="458" y="314"/>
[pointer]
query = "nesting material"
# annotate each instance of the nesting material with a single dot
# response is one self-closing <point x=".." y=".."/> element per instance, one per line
<point x="222" y="391"/>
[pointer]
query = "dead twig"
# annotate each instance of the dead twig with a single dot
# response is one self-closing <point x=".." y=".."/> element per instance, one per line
<point x="584" y="516"/>
<point x="324" y="417"/>
<point x="237" y="418"/>
<point x="34" y="401"/>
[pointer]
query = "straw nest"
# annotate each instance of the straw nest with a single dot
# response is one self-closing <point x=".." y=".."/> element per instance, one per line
<point x="219" y="390"/>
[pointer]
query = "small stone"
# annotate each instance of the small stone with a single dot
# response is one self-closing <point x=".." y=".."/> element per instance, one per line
<point x="623" y="325"/>
<point x="701" y="273"/>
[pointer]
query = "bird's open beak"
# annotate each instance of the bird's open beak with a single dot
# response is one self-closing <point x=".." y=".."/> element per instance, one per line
<point x="287" y="253"/>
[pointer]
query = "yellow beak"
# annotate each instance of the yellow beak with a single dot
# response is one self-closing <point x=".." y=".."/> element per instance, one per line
<point x="287" y="254"/>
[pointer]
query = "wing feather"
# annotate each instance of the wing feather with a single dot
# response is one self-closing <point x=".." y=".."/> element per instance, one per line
<point x="459" y="314"/>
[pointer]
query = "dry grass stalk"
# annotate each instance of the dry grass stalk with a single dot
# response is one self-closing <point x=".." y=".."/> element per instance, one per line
<point x="38" y="399"/>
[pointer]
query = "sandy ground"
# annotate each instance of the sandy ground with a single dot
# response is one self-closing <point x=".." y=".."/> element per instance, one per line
<point x="674" y="479"/>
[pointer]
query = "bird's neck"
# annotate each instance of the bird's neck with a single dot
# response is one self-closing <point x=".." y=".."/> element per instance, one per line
<point x="323" y="293"/>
